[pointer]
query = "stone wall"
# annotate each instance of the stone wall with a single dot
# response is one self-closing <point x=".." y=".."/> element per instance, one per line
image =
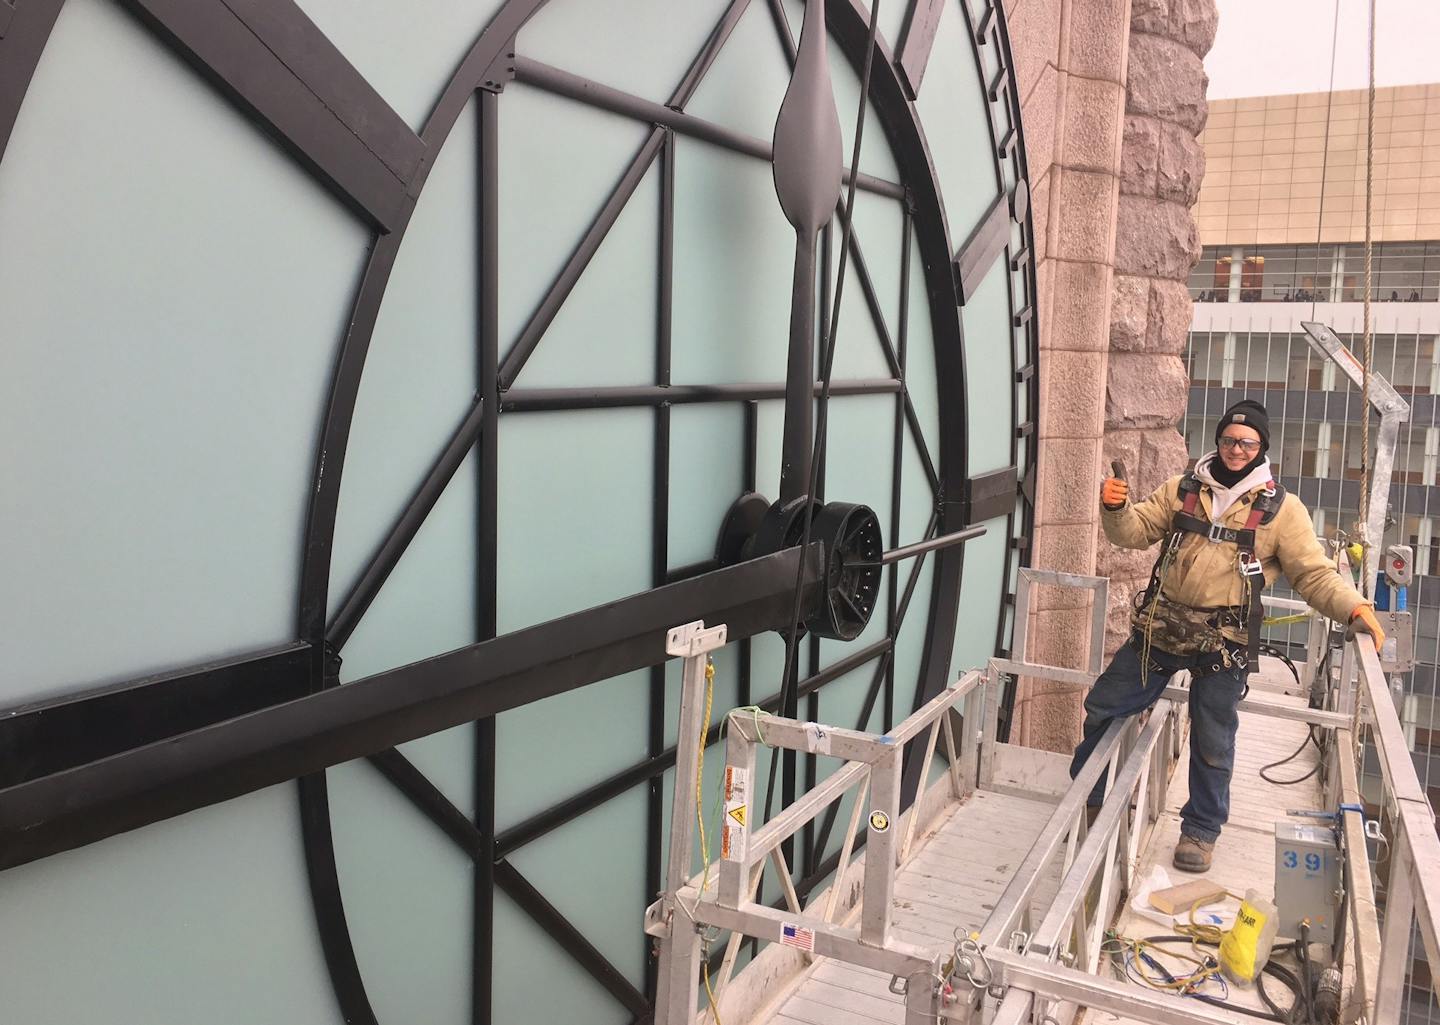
<point x="1156" y="244"/>
<point x="1112" y="95"/>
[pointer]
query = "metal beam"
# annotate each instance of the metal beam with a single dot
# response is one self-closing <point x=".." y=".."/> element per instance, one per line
<point x="213" y="764"/>
<point x="47" y="737"/>
<point x="273" y="62"/>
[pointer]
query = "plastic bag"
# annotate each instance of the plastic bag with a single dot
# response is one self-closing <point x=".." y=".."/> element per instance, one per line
<point x="1246" y="947"/>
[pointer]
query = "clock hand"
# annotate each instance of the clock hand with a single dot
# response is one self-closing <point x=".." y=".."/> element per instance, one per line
<point x="807" y="168"/>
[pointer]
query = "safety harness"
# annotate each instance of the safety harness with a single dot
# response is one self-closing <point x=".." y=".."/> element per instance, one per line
<point x="1262" y="511"/>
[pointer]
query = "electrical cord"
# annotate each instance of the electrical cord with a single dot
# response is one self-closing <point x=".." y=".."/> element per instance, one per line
<point x="1310" y="738"/>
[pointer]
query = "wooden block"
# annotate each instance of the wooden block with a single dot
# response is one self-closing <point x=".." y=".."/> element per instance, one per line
<point x="1175" y="899"/>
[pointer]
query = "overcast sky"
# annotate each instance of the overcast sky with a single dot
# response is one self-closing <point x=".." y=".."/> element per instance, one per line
<point x="1267" y="47"/>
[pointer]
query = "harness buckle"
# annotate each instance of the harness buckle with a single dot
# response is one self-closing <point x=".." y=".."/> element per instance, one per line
<point x="1217" y="533"/>
<point x="1250" y="565"/>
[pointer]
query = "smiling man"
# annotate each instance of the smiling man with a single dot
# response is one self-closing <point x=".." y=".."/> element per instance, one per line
<point x="1228" y="531"/>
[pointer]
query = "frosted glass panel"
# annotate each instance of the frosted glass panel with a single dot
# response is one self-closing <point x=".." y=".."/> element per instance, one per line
<point x="426" y="607"/>
<point x="559" y="161"/>
<point x="952" y="106"/>
<point x="419" y="379"/>
<point x="989" y="374"/>
<point x="613" y="841"/>
<point x="553" y="749"/>
<point x="537" y="981"/>
<point x="618" y="290"/>
<point x="980" y="598"/>
<point x="218" y="925"/>
<point x="734" y="261"/>
<point x="407" y="51"/>
<point x="576" y="504"/>
<point x="174" y="290"/>
<point x="707" y="474"/>
<point x="601" y="41"/>
<point x="408" y="898"/>
<point x="921" y="376"/>
<point x="859" y="351"/>
<point x="747" y="81"/>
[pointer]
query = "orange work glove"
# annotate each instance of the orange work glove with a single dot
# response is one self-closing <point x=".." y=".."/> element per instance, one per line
<point x="1114" y="492"/>
<point x="1363" y="619"/>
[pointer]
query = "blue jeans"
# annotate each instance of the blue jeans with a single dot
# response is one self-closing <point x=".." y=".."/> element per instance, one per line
<point x="1124" y="690"/>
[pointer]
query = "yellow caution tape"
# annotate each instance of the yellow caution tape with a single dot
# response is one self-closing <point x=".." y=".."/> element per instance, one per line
<point x="1298" y="617"/>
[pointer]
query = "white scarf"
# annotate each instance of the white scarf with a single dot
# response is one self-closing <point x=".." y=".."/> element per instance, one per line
<point x="1222" y="498"/>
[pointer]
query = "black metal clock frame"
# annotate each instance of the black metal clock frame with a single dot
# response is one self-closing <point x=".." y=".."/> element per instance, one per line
<point x="190" y="738"/>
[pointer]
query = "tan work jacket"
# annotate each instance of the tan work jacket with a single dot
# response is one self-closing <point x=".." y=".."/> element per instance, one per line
<point x="1206" y="574"/>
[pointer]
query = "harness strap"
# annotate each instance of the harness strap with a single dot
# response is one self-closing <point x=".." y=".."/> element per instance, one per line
<point x="1186" y="521"/>
<point x="1251" y="569"/>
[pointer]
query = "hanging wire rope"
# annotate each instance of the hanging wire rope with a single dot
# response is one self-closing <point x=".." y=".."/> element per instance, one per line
<point x="1324" y="170"/>
<point x="1374" y="542"/>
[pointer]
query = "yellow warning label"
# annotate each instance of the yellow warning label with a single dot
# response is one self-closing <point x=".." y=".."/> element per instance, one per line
<point x="738" y="814"/>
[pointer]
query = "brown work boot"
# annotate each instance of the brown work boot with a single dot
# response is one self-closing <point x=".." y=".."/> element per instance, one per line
<point x="1193" y="855"/>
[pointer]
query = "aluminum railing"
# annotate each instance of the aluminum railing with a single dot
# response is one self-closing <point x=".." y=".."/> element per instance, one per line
<point x="723" y="896"/>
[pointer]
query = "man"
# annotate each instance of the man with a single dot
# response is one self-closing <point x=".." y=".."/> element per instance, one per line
<point x="1229" y="530"/>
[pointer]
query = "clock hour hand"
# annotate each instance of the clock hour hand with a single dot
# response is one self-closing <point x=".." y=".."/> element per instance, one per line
<point x="807" y="166"/>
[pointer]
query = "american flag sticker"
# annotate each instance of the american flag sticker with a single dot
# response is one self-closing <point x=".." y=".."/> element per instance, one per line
<point x="797" y="936"/>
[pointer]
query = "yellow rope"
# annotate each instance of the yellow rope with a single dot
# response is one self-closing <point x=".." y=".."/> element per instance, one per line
<point x="700" y="821"/>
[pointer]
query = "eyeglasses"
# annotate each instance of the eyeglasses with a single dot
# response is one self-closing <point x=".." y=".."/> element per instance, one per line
<point x="1244" y="444"/>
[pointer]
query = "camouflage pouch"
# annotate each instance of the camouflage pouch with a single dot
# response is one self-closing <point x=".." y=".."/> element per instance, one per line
<point x="1177" y="629"/>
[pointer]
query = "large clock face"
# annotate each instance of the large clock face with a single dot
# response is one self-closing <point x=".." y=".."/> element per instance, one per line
<point x="311" y="376"/>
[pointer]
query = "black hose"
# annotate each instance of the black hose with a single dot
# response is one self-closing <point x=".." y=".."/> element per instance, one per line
<point x="1310" y="738"/>
<point x="1276" y="1013"/>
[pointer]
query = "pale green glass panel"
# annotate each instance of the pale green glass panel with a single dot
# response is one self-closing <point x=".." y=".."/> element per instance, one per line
<point x="921" y="374"/>
<point x="426" y="607"/>
<point x="206" y="917"/>
<point x="421" y="368"/>
<point x="408" y="898"/>
<point x="593" y="870"/>
<point x="407" y="52"/>
<point x="174" y="290"/>
<point x="917" y="504"/>
<point x="601" y="41"/>
<point x="418" y="384"/>
<point x="618" y="290"/>
<point x="747" y="82"/>
<point x="917" y="499"/>
<point x="575" y="522"/>
<point x="989" y="373"/>
<point x="536" y="980"/>
<point x="892" y="23"/>
<point x="952" y="107"/>
<point x="707" y="474"/>
<point x="980" y="598"/>
<point x="859" y="340"/>
<point x="734" y="261"/>
<point x="576" y="511"/>
<point x="875" y="155"/>
<point x="769" y="433"/>
<point x="559" y="162"/>
<point x="550" y="750"/>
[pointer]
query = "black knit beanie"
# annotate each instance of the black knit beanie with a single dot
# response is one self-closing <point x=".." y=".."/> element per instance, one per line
<point x="1251" y="414"/>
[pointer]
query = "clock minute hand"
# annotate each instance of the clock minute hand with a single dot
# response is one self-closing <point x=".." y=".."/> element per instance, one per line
<point x="807" y="165"/>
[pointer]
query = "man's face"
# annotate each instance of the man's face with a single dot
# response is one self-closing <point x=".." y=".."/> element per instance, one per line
<point x="1238" y="445"/>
